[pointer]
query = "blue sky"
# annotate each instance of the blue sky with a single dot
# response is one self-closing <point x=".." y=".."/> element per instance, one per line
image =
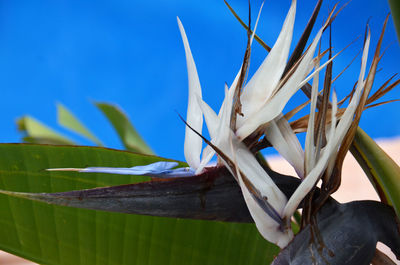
<point x="130" y="53"/>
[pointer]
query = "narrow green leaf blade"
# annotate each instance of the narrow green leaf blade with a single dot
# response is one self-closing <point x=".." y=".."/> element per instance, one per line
<point x="37" y="132"/>
<point x="67" y="119"/>
<point x="124" y="128"/>
<point x="49" y="234"/>
<point x="379" y="167"/>
<point x="258" y="39"/>
<point x="395" y="10"/>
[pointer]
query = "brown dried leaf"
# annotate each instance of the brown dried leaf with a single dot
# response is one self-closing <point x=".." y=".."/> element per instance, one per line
<point x="383" y="90"/>
<point x="381" y="103"/>
<point x="300" y="125"/>
<point x="297" y="52"/>
<point x="294" y="111"/>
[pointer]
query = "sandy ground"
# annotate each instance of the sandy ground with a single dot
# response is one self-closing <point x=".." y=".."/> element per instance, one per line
<point x="355" y="186"/>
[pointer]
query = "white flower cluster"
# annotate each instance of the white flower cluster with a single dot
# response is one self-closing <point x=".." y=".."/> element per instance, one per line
<point x="263" y="100"/>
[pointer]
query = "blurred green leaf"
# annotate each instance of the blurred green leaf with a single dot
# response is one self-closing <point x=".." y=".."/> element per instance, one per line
<point x="381" y="170"/>
<point x="395" y="10"/>
<point x="125" y="130"/>
<point x="49" y="234"/>
<point x="37" y="132"/>
<point x="68" y="120"/>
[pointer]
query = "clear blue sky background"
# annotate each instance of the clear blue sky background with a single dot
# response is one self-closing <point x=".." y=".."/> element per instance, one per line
<point x="130" y="53"/>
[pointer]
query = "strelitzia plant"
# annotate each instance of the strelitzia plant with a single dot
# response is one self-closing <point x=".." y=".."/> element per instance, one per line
<point x="264" y="93"/>
<point x="251" y="118"/>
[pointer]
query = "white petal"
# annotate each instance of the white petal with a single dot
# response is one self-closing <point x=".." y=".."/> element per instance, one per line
<point x="211" y="118"/>
<point x="309" y="148"/>
<point x="330" y="135"/>
<point x="255" y="26"/>
<point x="284" y="140"/>
<point x="317" y="69"/>
<point x="249" y="166"/>
<point x="263" y="83"/>
<point x="236" y="151"/>
<point x="311" y="179"/>
<point x="267" y="227"/>
<point x="194" y="118"/>
<point x="206" y="157"/>
<point x="347" y="117"/>
<point x="225" y="139"/>
<point x="212" y="121"/>
<point x="334" y="140"/>
<point x="275" y="105"/>
<point x="228" y="103"/>
<point x="229" y="92"/>
<point x="218" y="127"/>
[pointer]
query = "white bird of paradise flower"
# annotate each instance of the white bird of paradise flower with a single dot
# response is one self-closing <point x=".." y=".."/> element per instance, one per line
<point x="263" y="100"/>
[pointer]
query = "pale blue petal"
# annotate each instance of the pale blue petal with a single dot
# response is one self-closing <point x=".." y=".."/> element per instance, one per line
<point x="158" y="169"/>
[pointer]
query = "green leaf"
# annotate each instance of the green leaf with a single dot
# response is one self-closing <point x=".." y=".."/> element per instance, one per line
<point x="258" y="39"/>
<point x="125" y="130"/>
<point x="381" y="170"/>
<point x="395" y="10"/>
<point x="49" y="234"/>
<point x="37" y="132"/>
<point x="68" y="120"/>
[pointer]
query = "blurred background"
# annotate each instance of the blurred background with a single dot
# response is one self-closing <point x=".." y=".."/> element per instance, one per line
<point x="130" y="53"/>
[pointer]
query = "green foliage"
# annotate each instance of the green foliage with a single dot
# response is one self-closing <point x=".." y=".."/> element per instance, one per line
<point x="50" y="234"/>
<point x="126" y="132"/>
<point x="381" y="170"/>
<point x="36" y="132"/>
<point x="67" y="119"/>
<point x="395" y="9"/>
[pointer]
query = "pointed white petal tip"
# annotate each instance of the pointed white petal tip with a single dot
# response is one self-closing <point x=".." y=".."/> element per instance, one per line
<point x="194" y="117"/>
<point x="264" y="82"/>
<point x="266" y="225"/>
<point x="180" y="25"/>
